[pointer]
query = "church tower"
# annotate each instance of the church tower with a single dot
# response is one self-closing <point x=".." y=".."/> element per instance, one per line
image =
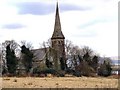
<point x="58" y="43"/>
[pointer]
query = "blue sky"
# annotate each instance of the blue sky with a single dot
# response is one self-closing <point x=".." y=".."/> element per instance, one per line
<point x="92" y="23"/>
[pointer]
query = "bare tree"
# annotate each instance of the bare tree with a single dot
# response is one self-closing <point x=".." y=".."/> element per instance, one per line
<point x="72" y="53"/>
<point x="48" y="52"/>
<point x="71" y="49"/>
<point x="68" y="45"/>
<point x="85" y="50"/>
<point x="27" y="44"/>
<point x="46" y="46"/>
<point x="108" y="60"/>
<point x="13" y="45"/>
<point x="75" y="50"/>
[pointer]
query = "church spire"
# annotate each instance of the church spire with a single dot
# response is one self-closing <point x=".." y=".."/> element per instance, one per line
<point x="57" y="34"/>
<point x="58" y="43"/>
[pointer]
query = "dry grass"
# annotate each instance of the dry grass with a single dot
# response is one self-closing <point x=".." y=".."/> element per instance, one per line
<point x="59" y="82"/>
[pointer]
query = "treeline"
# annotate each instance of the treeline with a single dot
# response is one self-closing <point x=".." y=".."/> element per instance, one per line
<point x="79" y="61"/>
<point x="12" y="53"/>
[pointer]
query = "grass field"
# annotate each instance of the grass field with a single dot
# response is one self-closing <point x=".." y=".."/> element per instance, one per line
<point x="59" y="82"/>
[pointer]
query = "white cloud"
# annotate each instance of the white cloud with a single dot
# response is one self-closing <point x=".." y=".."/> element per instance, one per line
<point x="96" y="28"/>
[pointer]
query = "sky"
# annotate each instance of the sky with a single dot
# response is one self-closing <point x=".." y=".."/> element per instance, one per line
<point x="92" y="23"/>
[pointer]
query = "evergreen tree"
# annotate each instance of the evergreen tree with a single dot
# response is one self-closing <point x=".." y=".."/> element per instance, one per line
<point x="62" y="64"/>
<point x="80" y="58"/>
<point x="11" y="60"/>
<point x="88" y="65"/>
<point x="109" y="69"/>
<point x="27" y="58"/>
<point x="105" y="69"/>
<point x="13" y="46"/>
<point x="48" y="63"/>
<point x="87" y="58"/>
<point x="94" y="63"/>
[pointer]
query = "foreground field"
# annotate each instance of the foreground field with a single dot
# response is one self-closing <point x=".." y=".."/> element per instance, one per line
<point x="59" y="82"/>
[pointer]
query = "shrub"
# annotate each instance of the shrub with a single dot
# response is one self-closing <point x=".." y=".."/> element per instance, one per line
<point x="77" y="73"/>
<point x="69" y="71"/>
<point x="60" y="73"/>
<point x="85" y="69"/>
<point x="105" y="69"/>
<point x="50" y="71"/>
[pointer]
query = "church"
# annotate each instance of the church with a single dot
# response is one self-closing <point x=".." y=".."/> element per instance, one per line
<point x="56" y="52"/>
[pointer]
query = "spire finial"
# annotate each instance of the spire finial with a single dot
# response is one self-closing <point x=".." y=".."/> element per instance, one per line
<point x="57" y="8"/>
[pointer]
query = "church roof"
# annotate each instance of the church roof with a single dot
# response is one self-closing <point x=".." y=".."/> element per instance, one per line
<point x="57" y="34"/>
<point x="39" y="54"/>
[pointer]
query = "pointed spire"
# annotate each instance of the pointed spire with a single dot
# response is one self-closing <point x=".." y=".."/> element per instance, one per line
<point x="57" y="34"/>
<point x="57" y="10"/>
